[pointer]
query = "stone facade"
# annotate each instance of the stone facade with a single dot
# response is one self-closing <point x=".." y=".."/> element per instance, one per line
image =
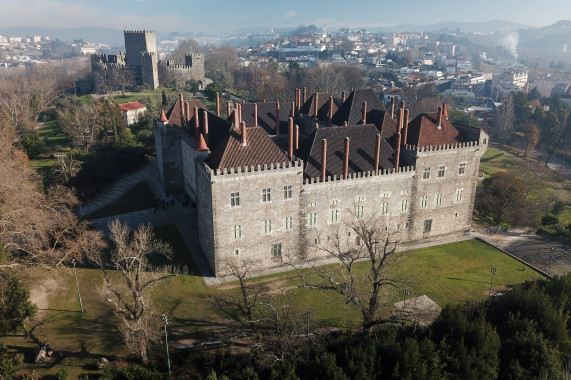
<point x="141" y="56"/>
<point x="272" y="211"/>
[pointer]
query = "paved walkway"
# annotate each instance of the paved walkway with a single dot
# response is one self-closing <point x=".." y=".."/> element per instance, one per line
<point x="531" y="248"/>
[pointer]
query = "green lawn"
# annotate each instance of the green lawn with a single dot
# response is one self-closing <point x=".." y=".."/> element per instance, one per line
<point x="140" y="197"/>
<point x="451" y="273"/>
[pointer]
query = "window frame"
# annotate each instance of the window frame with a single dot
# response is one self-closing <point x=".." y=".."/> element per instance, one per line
<point x="266" y="194"/>
<point x="235" y="199"/>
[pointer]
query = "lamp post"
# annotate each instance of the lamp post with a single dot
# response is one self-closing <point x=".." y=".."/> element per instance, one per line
<point x="405" y="293"/>
<point x="550" y="261"/>
<point x="77" y="284"/>
<point x="494" y="271"/>
<point x="166" y="321"/>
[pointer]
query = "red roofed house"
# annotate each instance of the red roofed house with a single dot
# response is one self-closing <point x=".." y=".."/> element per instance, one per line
<point x="131" y="111"/>
<point x="279" y="180"/>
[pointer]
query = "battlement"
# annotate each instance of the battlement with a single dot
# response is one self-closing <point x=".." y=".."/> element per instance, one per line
<point x="403" y="172"/>
<point x="138" y="31"/>
<point x="171" y="65"/>
<point x="254" y="169"/>
<point x="432" y="148"/>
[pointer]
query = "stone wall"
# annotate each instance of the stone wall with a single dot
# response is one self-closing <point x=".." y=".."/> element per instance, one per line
<point x="169" y="157"/>
<point x="193" y="70"/>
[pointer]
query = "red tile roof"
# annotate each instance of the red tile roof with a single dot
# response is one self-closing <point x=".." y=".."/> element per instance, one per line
<point x="131" y="106"/>
<point x="423" y="131"/>
<point x="260" y="150"/>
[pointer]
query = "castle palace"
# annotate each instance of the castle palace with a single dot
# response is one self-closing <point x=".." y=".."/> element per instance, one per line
<point x="141" y="57"/>
<point x="275" y="181"/>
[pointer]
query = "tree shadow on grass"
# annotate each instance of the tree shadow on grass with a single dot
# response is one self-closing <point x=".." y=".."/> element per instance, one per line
<point x="463" y="279"/>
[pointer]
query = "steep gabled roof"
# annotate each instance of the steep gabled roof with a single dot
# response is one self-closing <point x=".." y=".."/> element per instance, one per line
<point x="266" y="116"/>
<point x="352" y="110"/>
<point x="174" y="116"/>
<point x="423" y="131"/>
<point x="218" y="128"/>
<point x="308" y="108"/>
<point x="361" y="150"/>
<point x="259" y="150"/>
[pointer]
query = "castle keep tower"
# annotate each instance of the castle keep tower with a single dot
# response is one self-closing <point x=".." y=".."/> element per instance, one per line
<point x="141" y="55"/>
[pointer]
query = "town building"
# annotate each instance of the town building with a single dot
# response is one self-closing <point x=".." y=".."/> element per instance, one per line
<point x="275" y="183"/>
<point x="131" y="111"/>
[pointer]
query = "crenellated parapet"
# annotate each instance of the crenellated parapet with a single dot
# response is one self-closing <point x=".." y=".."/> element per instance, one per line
<point x="432" y="148"/>
<point x="404" y="171"/>
<point x="239" y="171"/>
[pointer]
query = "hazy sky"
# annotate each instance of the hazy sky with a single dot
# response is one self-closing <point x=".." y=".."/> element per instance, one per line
<point x="228" y="15"/>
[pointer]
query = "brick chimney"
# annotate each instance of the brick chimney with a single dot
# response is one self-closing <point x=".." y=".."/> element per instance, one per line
<point x="298" y="100"/>
<point x="444" y="111"/>
<point x="323" y="159"/>
<point x="217" y="104"/>
<point x="392" y="108"/>
<point x="439" y="118"/>
<point x="277" y="117"/>
<point x="330" y="110"/>
<point x="377" y="153"/>
<point x="243" y="134"/>
<point x="239" y="113"/>
<point x="316" y="105"/>
<point x="205" y="122"/>
<point x="255" y="114"/>
<point x="181" y="101"/>
<point x="290" y="138"/>
<point x="227" y="109"/>
<point x="405" y="121"/>
<point x="196" y="122"/>
<point x="187" y="110"/>
<point x="397" y="152"/>
<point x="304" y="95"/>
<point x="346" y="158"/>
<point x="364" y="112"/>
<point x="343" y="97"/>
<point x="296" y="137"/>
<point x="292" y="111"/>
<point x="236" y="122"/>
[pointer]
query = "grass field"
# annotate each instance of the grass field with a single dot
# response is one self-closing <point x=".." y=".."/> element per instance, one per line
<point x="451" y="273"/>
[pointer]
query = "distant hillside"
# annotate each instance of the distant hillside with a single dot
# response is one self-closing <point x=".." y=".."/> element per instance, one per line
<point x="486" y="26"/>
<point x="113" y="37"/>
<point x="551" y="38"/>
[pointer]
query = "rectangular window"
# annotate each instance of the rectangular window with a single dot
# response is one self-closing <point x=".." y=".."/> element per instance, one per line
<point x="424" y="201"/>
<point x="333" y="215"/>
<point x="462" y="168"/>
<point x="403" y="192"/>
<point x="237" y="231"/>
<point x="459" y="195"/>
<point x="441" y="171"/>
<point x="439" y="198"/>
<point x="266" y="195"/>
<point x="237" y="252"/>
<point x="404" y="204"/>
<point x="427" y="225"/>
<point x="235" y="199"/>
<point x="312" y="219"/>
<point x="426" y="173"/>
<point x="267" y="226"/>
<point x="288" y="222"/>
<point x="359" y="212"/>
<point x="384" y="208"/>
<point x="276" y="250"/>
<point x="333" y="202"/>
<point x="385" y="194"/>
<point x="287" y="192"/>
<point x="311" y="204"/>
<point x="359" y="198"/>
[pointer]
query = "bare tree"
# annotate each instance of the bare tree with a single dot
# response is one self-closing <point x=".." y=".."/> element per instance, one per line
<point x="532" y="135"/>
<point x="184" y="47"/>
<point x="66" y="167"/>
<point x="250" y="292"/>
<point x="123" y="77"/>
<point x="371" y="242"/>
<point x="81" y="122"/>
<point x="34" y="226"/>
<point x="129" y="293"/>
<point x="505" y="119"/>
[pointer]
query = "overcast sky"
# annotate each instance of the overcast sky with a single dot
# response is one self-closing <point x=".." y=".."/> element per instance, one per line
<point x="210" y="16"/>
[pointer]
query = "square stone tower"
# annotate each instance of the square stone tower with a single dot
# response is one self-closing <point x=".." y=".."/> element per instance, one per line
<point x="141" y="55"/>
